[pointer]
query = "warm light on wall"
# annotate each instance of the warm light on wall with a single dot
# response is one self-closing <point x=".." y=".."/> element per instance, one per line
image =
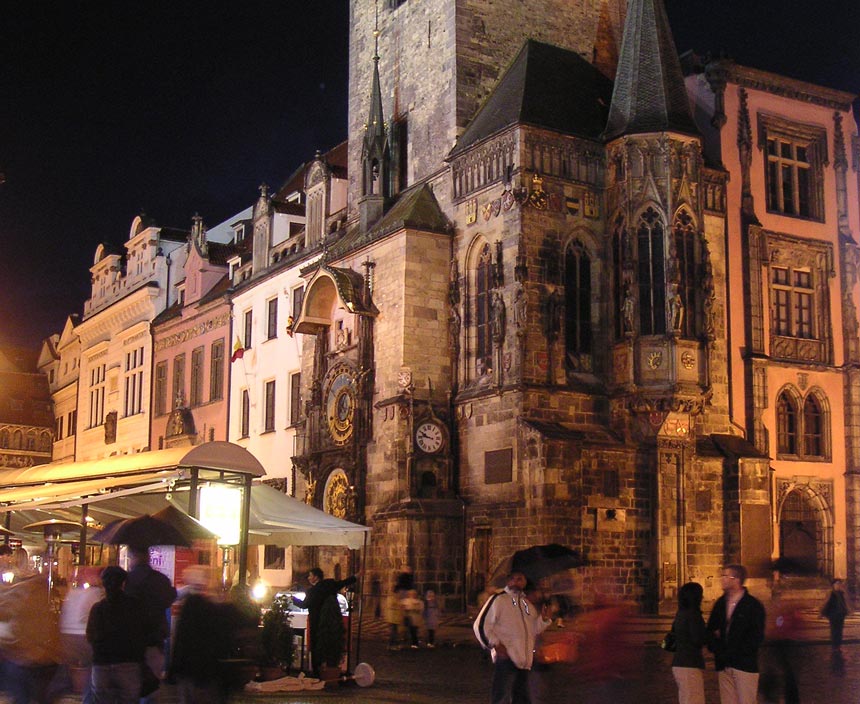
<point x="220" y="510"/>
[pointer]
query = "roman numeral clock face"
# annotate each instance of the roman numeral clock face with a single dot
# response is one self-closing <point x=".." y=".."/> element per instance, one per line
<point x="429" y="437"/>
<point x="340" y="405"/>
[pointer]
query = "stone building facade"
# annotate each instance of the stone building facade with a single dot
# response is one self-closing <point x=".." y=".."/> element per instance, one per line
<point x="529" y="329"/>
<point x="26" y="419"/>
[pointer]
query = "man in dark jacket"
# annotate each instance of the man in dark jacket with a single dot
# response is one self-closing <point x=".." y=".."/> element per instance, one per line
<point x="736" y="626"/>
<point x="117" y="630"/>
<point x="320" y="591"/>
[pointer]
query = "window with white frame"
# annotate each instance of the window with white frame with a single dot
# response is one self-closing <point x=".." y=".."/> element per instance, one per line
<point x="133" y="382"/>
<point x="269" y="411"/>
<point x="98" y="375"/>
<point x="271" y="318"/>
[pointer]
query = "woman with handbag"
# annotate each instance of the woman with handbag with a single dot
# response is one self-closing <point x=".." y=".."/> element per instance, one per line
<point x="688" y="663"/>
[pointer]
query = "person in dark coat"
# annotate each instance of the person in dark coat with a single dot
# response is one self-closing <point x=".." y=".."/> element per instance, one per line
<point x="688" y="663"/>
<point x="318" y="593"/>
<point x="117" y="629"/>
<point x="156" y="594"/>
<point x="835" y="610"/>
<point x="203" y="638"/>
<point x="736" y="628"/>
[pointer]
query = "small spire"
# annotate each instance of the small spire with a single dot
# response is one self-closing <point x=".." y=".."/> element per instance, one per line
<point x="649" y="94"/>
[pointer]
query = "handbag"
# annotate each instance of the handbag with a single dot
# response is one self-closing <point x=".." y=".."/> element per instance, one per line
<point x="668" y="643"/>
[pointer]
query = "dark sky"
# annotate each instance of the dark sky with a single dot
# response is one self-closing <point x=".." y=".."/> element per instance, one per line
<point x="111" y="108"/>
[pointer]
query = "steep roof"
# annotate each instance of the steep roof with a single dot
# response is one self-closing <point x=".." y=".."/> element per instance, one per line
<point x="545" y="86"/>
<point x="649" y="94"/>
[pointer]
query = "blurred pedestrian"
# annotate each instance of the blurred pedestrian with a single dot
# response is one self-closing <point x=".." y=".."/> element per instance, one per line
<point x="76" y="652"/>
<point x="431" y="617"/>
<point x="156" y="594"/>
<point x="29" y="639"/>
<point x="413" y="607"/>
<point x="688" y="662"/>
<point x="736" y="628"/>
<point x="203" y="638"/>
<point x="394" y="619"/>
<point x="508" y="625"/>
<point x="835" y="610"/>
<point x="118" y="630"/>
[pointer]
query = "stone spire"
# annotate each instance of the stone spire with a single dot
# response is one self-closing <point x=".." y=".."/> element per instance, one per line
<point x="649" y="93"/>
<point x="374" y="151"/>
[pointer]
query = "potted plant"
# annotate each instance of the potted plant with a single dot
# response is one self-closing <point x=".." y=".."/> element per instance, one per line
<point x="276" y="639"/>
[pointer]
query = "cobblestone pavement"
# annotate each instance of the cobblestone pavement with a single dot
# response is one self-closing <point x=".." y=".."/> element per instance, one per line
<point x="458" y="671"/>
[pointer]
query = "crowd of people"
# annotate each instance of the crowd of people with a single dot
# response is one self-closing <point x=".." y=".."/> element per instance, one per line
<point x="407" y="613"/>
<point x="512" y="625"/>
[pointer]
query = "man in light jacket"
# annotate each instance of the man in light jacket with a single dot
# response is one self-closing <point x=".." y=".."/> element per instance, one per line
<point x="508" y="625"/>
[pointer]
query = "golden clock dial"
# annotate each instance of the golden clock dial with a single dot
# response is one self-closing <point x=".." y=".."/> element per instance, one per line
<point x="340" y="405"/>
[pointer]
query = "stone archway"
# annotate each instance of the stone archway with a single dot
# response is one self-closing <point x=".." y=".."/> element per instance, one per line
<point x="805" y="529"/>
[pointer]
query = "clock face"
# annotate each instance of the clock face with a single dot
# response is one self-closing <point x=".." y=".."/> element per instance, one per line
<point x="429" y="437"/>
<point x="340" y="405"/>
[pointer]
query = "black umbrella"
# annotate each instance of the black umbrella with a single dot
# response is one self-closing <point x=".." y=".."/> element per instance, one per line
<point x="189" y="527"/>
<point x="141" y="532"/>
<point x="537" y="563"/>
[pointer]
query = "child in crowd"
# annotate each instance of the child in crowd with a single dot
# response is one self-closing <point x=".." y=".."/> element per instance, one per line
<point x="431" y="617"/>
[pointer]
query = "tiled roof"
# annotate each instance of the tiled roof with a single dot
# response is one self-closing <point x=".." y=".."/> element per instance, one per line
<point x="547" y="87"/>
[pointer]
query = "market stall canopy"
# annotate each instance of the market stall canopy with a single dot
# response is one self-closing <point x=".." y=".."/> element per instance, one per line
<point x="64" y="484"/>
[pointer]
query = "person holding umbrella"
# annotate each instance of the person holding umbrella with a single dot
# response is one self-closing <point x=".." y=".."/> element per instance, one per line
<point x="156" y="594"/>
<point x="508" y="625"/>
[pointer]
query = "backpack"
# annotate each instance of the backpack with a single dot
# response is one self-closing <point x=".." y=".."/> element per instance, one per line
<point x="478" y="625"/>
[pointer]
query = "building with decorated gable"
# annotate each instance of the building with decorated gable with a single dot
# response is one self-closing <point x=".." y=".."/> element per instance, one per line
<point x="530" y="327"/>
<point x="129" y="289"/>
<point x="266" y="403"/>
<point x="59" y="361"/>
<point x="191" y="348"/>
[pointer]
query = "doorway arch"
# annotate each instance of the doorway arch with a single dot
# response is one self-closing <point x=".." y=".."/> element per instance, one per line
<point x="805" y="522"/>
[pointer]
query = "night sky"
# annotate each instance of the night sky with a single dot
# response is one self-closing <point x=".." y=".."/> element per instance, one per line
<point x="108" y="109"/>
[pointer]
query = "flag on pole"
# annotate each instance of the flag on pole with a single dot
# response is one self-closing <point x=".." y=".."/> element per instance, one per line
<point x="238" y="351"/>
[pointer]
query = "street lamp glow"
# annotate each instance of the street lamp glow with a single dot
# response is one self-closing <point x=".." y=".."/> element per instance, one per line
<point x="220" y="509"/>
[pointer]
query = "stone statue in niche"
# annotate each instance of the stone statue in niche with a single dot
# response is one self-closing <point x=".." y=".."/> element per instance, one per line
<point x="627" y="307"/>
<point x="310" y="490"/>
<point x="520" y="311"/>
<point x="497" y="321"/>
<point x="676" y="311"/>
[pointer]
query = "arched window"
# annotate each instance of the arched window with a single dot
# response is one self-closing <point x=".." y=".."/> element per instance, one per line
<point x="483" y="312"/>
<point x="652" y="274"/>
<point x="687" y="252"/>
<point x="17" y="440"/>
<point x="4" y="438"/>
<point x="577" y="291"/>
<point x="813" y="427"/>
<point x="786" y="424"/>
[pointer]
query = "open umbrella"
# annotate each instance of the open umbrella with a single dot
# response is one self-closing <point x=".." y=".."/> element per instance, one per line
<point x="537" y="562"/>
<point x="141" y="532"/>
<point x="189" y="527"/>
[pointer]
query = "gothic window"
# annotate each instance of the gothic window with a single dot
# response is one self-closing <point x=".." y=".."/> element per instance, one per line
<point x="577" y="287"/>
<point x="813" y="428"/>
<point x="802" y="426"/>
<point x="688" y="256"/>
<point x="482" y="311"/>
<point x="786" y="425"/>
<point x="652" y="275"/>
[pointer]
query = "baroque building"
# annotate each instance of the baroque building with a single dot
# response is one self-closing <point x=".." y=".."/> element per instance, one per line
<point x="530" y="327"/>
